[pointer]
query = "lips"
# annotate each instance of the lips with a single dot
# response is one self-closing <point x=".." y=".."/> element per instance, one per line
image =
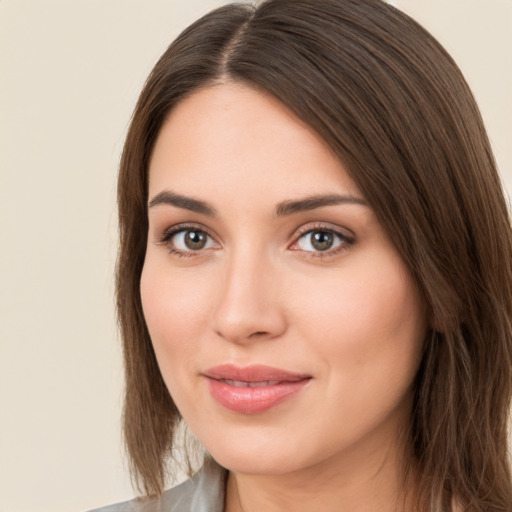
<point x="253" y="389"/>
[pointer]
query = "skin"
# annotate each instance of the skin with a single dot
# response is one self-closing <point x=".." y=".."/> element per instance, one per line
<point x="260" y="292"/>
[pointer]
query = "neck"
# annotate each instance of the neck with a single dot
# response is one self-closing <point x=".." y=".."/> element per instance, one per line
<point x="361" y="481"/>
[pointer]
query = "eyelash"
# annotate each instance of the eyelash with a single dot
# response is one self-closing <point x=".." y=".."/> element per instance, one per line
<point x="180" y="228"/>
<point x="346" y="241"/>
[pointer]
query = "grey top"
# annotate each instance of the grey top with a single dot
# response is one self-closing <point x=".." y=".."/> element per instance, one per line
<point x="204" y="492"/>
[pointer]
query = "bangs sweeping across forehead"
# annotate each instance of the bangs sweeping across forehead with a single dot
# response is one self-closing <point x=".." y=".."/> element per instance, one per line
<point x="392" y="105"/>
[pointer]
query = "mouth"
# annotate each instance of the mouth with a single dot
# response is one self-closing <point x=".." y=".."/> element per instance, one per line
<point x="243" y="384"/>
<point x="253" y="389"/>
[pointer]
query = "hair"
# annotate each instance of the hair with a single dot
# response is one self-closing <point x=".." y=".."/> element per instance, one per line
<point x="394" y="107"/>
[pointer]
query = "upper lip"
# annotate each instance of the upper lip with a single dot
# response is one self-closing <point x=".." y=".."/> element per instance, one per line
<point x="253" y="373"/>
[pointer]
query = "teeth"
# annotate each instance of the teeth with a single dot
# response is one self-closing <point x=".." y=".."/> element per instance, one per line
<point x="243" y="384"/>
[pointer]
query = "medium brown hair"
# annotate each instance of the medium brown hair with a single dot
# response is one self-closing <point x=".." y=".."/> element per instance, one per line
<point x="394" y="107"/>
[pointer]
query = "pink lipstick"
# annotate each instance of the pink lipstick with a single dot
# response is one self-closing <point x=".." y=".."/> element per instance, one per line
<point x="253" y="389"/>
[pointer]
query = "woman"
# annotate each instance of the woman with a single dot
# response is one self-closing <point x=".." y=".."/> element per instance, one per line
<point x="314" y="269"/>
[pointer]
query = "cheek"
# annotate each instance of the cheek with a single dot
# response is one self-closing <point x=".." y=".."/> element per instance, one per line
<point x="175" y="309"/>
<point x="366" y="331"/>
<point x="368" y="322"/>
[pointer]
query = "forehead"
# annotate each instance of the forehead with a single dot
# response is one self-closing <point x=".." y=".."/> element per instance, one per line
<point x="233" y="139"/>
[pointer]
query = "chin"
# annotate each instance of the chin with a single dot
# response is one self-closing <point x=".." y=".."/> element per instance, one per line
<point x="259" y="454"/>
<point x="255" y="463"/>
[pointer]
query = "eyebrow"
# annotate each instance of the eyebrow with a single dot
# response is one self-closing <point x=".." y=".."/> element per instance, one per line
<point x="313" y="202"/>
<point x="283" y="209"/>
<point x="187" y="203"/>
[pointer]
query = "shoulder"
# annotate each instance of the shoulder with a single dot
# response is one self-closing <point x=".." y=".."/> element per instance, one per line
<point x="178" y="498"/>
<point x="204" y="492"/>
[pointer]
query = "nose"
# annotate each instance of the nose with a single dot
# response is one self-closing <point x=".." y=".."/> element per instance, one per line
<point x="249" y="306"/>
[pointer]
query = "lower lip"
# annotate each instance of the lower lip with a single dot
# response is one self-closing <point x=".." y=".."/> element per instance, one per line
<point x="247" y="400"/>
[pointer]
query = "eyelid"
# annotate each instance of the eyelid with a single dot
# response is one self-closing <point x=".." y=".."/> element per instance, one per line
<point x="168" y="232"/>
<point x="347" y="237"/>
<point x="165" y="237"/>
<point x="328" y="226"/>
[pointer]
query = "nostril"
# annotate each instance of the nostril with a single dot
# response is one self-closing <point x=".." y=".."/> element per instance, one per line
<point x="247" y="319"/>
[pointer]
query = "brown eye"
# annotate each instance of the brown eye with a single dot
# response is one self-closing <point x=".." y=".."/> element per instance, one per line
<point x="195" y="240"/>
<point x="320" y="240"/>
<point x="190" y="240"/>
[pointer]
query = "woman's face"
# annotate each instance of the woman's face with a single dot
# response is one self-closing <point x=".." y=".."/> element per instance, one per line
<point x="287" y="327"/>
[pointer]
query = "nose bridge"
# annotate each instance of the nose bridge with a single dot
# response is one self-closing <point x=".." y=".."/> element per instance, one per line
<point x="247" y="304"/>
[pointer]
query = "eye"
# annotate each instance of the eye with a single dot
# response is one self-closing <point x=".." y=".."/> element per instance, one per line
<point x="184" y="241"/>
<point x="322" y="240"/>
<point x="191" y="240"/>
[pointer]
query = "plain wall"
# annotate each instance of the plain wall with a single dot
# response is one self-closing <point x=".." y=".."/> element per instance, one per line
<point x="70" y="73"/>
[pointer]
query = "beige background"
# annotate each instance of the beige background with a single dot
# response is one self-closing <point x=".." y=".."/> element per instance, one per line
<point x="70" y="72"/>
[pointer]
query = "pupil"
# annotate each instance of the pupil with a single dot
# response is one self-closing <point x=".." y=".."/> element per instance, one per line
<point x="195" y="240"/>
<point x="322" y="240"/>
